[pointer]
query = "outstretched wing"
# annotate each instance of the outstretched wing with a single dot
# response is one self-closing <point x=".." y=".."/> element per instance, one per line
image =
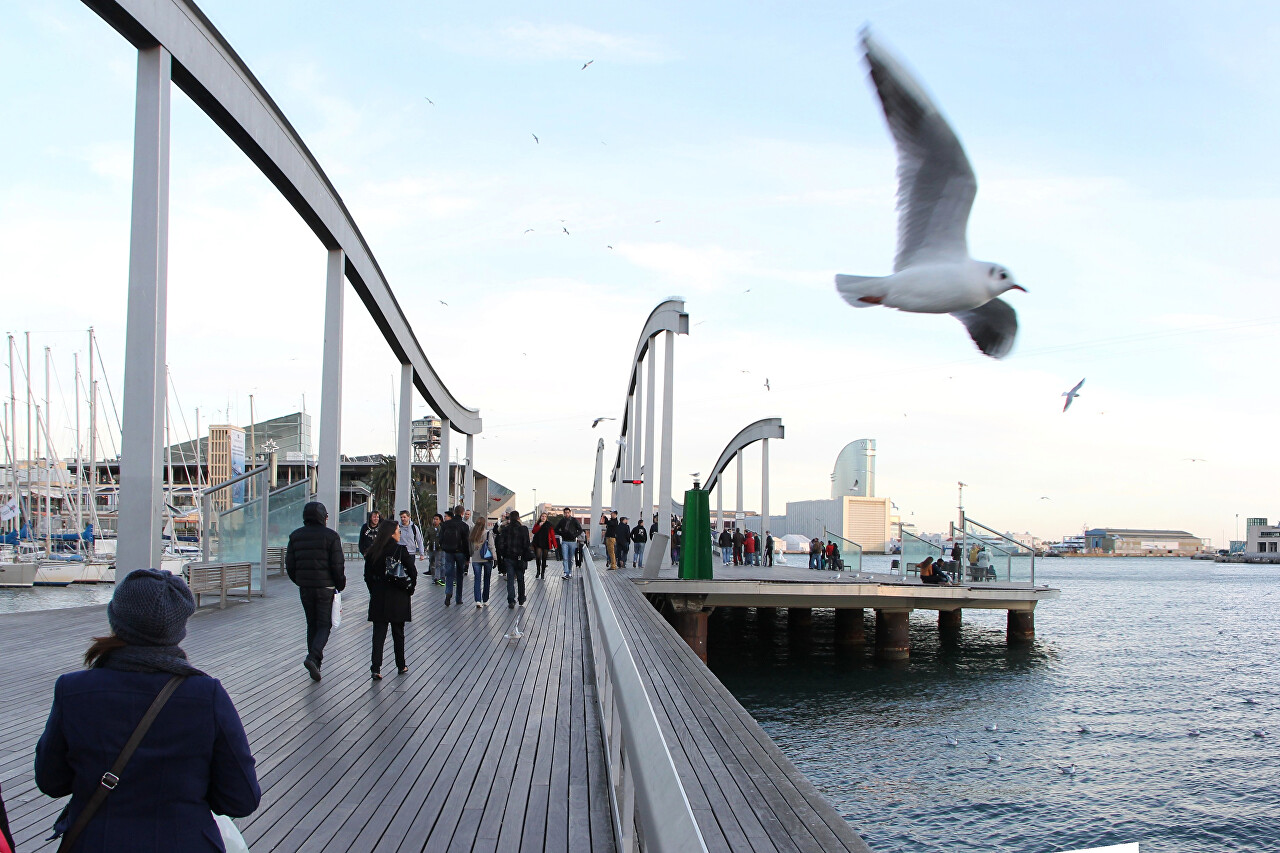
<point x="1073" y="391"/>
<point x="936" y="184"/>
<point x="992" y="326"/>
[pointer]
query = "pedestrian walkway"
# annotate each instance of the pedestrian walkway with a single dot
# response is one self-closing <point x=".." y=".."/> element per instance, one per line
<point x="484" y="745"/>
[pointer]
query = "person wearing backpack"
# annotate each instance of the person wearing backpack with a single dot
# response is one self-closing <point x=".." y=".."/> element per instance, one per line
<point x="193" y="759"/>
<point x="455" y="548"/>
<point x="514" y="553"/>
<point x="391" y="575"/>
<point x="639" y="536"/>
<point x="411" y="535"/>
<point x="483" y="556"/>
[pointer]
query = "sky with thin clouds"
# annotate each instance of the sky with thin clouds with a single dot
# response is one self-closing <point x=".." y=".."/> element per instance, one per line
<point x="732" y="154"/>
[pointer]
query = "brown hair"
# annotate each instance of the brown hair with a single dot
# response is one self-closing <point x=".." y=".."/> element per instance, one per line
<point x="102" y="646"/>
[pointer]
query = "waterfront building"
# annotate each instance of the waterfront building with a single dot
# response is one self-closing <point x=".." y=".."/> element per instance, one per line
<point x="1262" y="538"/>
<point x="1127" y="542"/>
<point x="855" y="470"/>
<point x="864" y="520"/>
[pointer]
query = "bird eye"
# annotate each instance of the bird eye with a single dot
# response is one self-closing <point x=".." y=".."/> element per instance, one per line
<point x="1003" y="275"/>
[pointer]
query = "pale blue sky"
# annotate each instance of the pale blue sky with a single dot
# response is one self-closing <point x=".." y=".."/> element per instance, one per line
<point x="1126" y="175"/>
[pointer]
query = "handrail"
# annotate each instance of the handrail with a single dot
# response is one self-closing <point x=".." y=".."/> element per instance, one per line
<point x="966" y="521"/>
<point x="643" y="781"/>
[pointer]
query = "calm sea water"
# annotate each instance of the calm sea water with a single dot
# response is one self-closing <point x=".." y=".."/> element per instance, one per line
<point x="54" y="597"/>
<point x="1140" y="651"/>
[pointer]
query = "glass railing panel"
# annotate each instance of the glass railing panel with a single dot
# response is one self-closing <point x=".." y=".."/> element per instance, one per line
<point x="850" y="553"/>
<point x="285" y="512"/>
<point x="350" y="521"/>
<point x="914" y="551"/>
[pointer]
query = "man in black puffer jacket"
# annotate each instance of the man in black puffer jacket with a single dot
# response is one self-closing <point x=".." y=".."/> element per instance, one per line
<point x="315" y="563"/>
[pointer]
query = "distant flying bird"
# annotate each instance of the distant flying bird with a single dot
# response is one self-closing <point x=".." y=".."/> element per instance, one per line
<point x="748" y="290"/>
<point x="442" y="302"/>
<point x="1044" y="498"/>
<point x="597" y="421"/>
<point x="527" y="230"/>
<point x="766" y="385"/>
<point x="656" y="221"/>
<point x="428" y="100"/>
<point x="535" y="138"/>
<point x="608" y="247"/>
<point x="932" y="273"/>
<point x="589" y="61"/>
<point x="566" y="231"/>
<point x="1071" y="395"/>
<point x="1189" y="459"/>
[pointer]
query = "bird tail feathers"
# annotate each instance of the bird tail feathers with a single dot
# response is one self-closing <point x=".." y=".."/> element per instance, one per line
<point x="862" y="291"/>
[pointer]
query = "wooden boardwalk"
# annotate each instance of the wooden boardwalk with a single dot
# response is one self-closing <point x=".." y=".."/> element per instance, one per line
<point x="484" y="745"/>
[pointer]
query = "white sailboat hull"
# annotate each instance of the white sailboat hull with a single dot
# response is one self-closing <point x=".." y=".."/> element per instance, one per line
<point x="59" y="573"/>
<point x="17" y="574"/>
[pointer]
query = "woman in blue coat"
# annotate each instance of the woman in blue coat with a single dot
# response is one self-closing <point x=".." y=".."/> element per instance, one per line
<point x="193" y="761"/>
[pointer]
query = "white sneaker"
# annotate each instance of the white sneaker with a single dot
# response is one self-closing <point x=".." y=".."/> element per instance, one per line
<point x="479" y="605"/>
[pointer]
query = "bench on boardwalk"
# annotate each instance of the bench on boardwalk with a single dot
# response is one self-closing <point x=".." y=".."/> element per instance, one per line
<point x="275" y="561"/>
<point x="218" y="579"/>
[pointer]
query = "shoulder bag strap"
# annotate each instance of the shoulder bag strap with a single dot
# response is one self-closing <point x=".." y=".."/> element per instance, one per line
<point x="112" y="777"/>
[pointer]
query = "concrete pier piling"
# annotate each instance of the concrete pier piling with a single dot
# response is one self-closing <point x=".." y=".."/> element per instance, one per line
<point x="692" y="627"/>
<point x="849" y="627"/>
<point x="799" y="618"/>
<point x="893" y="635"/>
<point x="950" y="620"/>
<point x="1021" y="627"/>
<point x="766" y="615"/>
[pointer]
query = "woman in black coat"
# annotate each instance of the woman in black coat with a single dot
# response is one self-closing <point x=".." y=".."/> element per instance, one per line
<point x="389" y="601"/>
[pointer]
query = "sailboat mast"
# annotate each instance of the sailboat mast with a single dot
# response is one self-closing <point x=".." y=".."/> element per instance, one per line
<point x="79" y="463"/>
<point x="168" y="444"/>
<point x="93" y="440"/>
<point x="48" y="462"/>
<point x="13" y="428"/>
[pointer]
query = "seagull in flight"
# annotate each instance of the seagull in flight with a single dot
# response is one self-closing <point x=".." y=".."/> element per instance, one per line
<point x="565" y="230"/>
<point x="766" y="384"/>
<point x="589" y="61"/>
<point x="428" y="100"/>
<point x="527" y="230"/>
<point x="1071" y="395"/>
<point x="597" y="421"/>
<point x="442" y="302"/>
<point x="535" y="139"/>
<point x="932" y="273"/>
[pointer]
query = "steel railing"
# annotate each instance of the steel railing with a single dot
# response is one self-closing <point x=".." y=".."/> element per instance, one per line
<point x="649" y="805"/>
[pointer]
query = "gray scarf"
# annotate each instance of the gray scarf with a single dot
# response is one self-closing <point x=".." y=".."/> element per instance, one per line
<point x="171" y="659"/>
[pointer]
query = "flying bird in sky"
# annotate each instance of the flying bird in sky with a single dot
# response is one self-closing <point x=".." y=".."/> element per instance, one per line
<point x="597" y="421"/>
<point x="1071" y="395"/>
<point x="527" y="230"/>
<point x="565" y="230"/>
<point x="932" y="273"/>
<point x="766" y="384"/>
<point x="535" y="138"/>
<point x="589" y="61"/>
<point x="428" y="100"/>
<point x="442" y="302"/>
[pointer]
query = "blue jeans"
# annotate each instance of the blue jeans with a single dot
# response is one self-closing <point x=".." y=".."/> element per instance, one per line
<point x="621" y="549"/>
<point x="755" y="558"/>
<point x="675" y="556"/>
<point x="637" y="556"/>
<point x="481" y="568"/>
<point x="515" y="580"/>
<point x="454" y="565"/>
<point x="813" y="560"/>
<point x="567" y="550"/>
<point x="726" y="553"/>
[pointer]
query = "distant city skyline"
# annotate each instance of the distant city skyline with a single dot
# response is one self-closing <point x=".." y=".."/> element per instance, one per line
<point x="735" y="156"/>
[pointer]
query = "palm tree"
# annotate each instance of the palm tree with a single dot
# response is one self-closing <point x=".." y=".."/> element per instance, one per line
<point x="382" y="481"/>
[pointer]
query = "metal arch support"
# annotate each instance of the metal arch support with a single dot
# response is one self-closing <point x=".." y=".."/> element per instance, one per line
<point x="210" y="72"/>
<point x="668" y="316"/>
<point x="758" y="431"/>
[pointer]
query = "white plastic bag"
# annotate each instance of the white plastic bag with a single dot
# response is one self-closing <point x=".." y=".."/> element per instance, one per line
<point x="335" y="617"/>
<point x="231" y="837"/>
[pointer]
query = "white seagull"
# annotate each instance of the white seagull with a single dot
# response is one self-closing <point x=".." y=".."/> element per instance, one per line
<point x="932" y="273"/>
<point x="993" y="727"/>
<point x="1071" y="395"/>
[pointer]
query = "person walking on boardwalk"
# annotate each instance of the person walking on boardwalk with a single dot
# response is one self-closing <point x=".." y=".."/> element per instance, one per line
<point x="677" y="539"/>
<point x="544" y="542"/>
<point x="611" y="539"/>
<point x="768" y="548"/>
<point x="455" y="548"/>
<point x="623" y="546"/>
<point x="314" y="561"/>
<point x="483" y="555"/>
<point x="749" y="548"/>
<point x="392" y="576"/>
<point x="815" y="551"/>
<point x="411" y="536"/>
<point x="738" y="541"/>
<point x="514" y="553"/>
<point x="577" y="554"/>
<point x="639" y="536"/>
<point x="568" y="529"/>
<point x="432" y="538"/>
<point x="726" y="546"/>
<point x="369" y="531"/>
<point x="194" y="759"/>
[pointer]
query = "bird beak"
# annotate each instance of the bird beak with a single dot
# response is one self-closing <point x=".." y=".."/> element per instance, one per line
<point x="1018" y="287"/>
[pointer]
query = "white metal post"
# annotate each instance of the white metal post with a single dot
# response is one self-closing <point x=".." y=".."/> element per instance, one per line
<point x="404" y="445"/>
<point x="442" y="472"/>
<point x="740" y="484"/>
<point x="764" y="488"/>
<point x="469" y="484"/>
<point x="720" y="502"/>
<point x="144" y="391"/>
<point x="651" y="370"/>
<point x="597" y="496"/>
<point x="329" y="465"/>
<point x="668" y="403"/>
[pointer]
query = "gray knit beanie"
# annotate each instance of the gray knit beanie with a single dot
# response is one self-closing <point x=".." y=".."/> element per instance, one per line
<point x="150" y="608"/>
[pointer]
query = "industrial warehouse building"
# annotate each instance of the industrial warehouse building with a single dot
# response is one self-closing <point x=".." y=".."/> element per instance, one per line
<point x="1126" y="542"/>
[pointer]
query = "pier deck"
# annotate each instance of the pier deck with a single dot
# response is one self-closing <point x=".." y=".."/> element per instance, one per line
<point x="484" y="745"/>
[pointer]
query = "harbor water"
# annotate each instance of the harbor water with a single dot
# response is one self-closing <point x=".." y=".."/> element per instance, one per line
<point x="1141" y="653"/>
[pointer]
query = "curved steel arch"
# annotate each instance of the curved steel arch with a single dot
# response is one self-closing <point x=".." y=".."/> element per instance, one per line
<point x="750" y="434"/>
<point x="210" y="72"/>
<point x="668" y="316"/>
